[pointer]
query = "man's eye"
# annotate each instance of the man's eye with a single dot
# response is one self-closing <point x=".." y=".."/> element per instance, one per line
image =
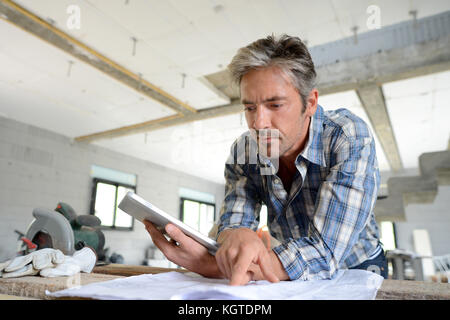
<point x="249" y="108"/>
<point x="275" y="105"/>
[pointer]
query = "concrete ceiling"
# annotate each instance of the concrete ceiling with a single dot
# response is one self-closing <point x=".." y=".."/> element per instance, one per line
<point x="180" y="43"/>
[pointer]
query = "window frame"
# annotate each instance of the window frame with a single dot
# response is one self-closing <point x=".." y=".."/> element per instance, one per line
<point x="182" y="199"/>
<point x="394" y="228"/>
<point x="95" y="182"/>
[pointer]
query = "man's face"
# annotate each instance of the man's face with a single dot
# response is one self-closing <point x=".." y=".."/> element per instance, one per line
<point x="273" y="104"/>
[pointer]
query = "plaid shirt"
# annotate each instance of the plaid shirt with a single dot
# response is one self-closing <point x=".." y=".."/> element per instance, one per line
<point x="326" y="222"/>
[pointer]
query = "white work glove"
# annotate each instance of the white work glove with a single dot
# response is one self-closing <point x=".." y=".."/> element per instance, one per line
<point x="49" y="263"/>
<point x="83" y="260"/>
<point x="28" y="270"/>
<point x="3" y="265"/>
<point x="32" y="263"/>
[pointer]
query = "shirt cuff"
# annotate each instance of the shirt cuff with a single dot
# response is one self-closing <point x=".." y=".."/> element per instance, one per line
<point x="292" y="261"/>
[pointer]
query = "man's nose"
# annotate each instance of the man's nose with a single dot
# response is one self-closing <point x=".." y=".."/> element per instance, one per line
<point x="262" y="118"/>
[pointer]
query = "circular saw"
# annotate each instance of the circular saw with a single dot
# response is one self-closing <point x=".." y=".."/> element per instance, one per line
<point x="63" y="229"/>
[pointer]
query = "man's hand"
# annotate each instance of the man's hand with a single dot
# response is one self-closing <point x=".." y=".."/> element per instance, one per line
<point x="242" y="257"/>
<point x="184" y="251"/>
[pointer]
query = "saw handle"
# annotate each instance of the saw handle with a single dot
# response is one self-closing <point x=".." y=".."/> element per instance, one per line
<point x="30" y="245"/>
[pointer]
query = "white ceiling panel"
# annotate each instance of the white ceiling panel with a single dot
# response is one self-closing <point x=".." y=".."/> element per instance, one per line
<point x="196" y="45"/>
<point x="194" y="91"/>
<point x="349" y="100"/>
<point x="323" y="25"/>
<point x="36" y="108"/>
<point x="158" y="56"/>
<point x="40" y="91"/>
<point x="104" y="34"/>
<point x="145" y="19"/>
<point x="195" y="9"/>
<point x="419" y="109"/>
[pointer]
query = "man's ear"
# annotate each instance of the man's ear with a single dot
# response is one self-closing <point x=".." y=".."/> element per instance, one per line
<point x="311" y="102"/>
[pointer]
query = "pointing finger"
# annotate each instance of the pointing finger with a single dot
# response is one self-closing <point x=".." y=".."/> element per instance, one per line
<point x="239" y="274"/>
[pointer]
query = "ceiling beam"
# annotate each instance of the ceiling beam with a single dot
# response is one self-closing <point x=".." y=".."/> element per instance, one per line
<point x="234" y="107"/>
<point x="397" y="52"/>
<point x="24" y="19"/>
<point x="382" y="67"/>
<point x="373" y="102"/>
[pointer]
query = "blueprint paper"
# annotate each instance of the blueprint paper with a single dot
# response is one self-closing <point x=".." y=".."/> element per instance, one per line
<point x="346" y="285"/>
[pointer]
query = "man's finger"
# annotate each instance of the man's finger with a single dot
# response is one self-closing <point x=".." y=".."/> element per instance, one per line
<point x="158" y="238"/>
<point x="222" y="265"/>
<point x="177" y="235"/>
<point x="265" y="265"/>
<point x="239" y="274"/>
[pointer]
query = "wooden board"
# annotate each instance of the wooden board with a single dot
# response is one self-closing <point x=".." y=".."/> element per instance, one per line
<point x="10" y="297"/>
<point x="35" y="286"/>
<point x="132" y="270"/>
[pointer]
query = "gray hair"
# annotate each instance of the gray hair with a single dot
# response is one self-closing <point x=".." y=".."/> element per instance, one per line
<point x="288" y="53"/>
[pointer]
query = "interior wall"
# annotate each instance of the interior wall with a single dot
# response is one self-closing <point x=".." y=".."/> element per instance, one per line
<point x="39" y="168"/>
<point x="434" y="217"/>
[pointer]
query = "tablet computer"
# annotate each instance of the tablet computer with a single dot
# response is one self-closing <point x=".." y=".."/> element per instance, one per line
<point x="142" y="210"/>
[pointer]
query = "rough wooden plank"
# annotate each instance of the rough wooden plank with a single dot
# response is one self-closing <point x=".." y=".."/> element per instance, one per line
<point x="35" y="286"/>
<point x="10" y="297"/>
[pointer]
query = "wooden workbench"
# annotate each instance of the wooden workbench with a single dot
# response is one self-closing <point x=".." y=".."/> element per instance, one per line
<point x="35" y="286"/>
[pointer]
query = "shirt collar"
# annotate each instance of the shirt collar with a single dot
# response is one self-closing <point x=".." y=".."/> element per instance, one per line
<point x="313" y="150"/>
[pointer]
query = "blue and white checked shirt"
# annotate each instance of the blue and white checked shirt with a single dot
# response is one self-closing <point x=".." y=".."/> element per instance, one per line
<point x="326" y="222"/>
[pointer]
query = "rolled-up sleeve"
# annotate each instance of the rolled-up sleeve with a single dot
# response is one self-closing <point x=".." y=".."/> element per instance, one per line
<point x="343" y="208"/>
<point x="242" y="204"/>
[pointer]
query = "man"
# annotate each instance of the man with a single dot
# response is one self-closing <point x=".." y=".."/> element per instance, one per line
<point x="315" y="171"/>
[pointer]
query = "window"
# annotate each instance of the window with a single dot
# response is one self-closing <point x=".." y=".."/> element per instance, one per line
<point x="388" y="237"/>
<point x="198" y="214"/>
<point x="106" y="196"/>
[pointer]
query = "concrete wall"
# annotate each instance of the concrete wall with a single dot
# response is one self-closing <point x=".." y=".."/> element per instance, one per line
<point x="433" y="217"/>
<point x="39" y="168"/>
